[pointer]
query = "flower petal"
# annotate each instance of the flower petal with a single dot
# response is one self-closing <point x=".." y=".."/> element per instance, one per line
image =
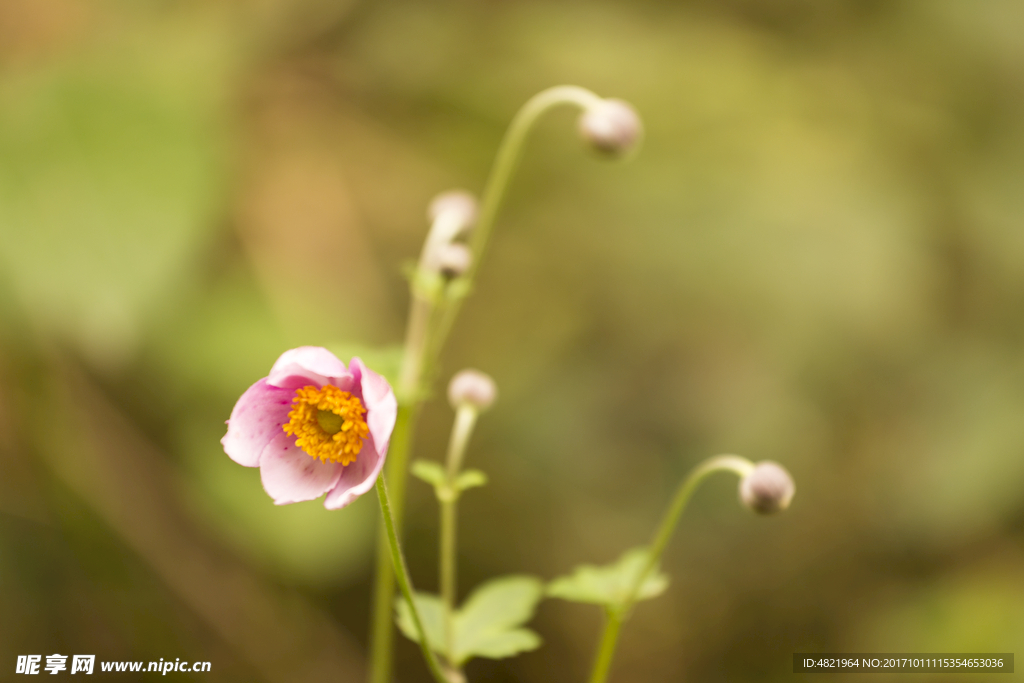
<point x="358" y="477"/>
<point x="290" y="475"/>
<point x="380" y="402"/>
<point x="306" y="365"/>
<point x="256" y="419"/>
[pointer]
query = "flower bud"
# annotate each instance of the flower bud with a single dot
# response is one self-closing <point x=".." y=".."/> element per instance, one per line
<point x="461" y="205"/>
<point x="768" y="488"/>
<point x="612" y="127"/>
<point x="472" y="387"/>
<point x="453" y="259"/>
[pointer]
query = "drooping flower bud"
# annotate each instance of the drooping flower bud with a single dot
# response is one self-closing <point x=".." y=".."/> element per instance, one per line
<point x="453" y="259"/>
<point x="611" y="126"/>
<point x="472" y="387"/>
<point x="768" y="488"/>
<point x="458" y="206"/>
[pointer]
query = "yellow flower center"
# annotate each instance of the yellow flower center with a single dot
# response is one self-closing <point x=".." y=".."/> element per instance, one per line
<point x="327" y="423"/>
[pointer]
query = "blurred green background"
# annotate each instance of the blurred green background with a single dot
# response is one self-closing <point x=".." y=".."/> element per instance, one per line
<point x="817" y="258"/>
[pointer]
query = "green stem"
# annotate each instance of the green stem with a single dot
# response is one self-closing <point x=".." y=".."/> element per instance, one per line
<point x="382" y="633"/>
<point x="449" y="514"/>
<point x="465" y="419"/>
<point x="509" y="153"/>
<point x="719" y="463"/>
<point x="610" y="637"/>
<point x="497" y="183"/>
<point x="404" y="583"/>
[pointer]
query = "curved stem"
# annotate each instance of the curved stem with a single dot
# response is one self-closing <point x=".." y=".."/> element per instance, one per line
<point x="720" y="463"/>
<point x="402" y="573"/>
<point x="497" y="183"/>
<point x="509" y="153"/>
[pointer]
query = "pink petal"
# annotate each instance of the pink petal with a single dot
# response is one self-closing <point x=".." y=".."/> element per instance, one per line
<point x="306" y="365"/>
<point x="380" y="402"/>
<point x="290" y="475"/>
<point x="358" y="477"/>
<point x="256" y="419"/>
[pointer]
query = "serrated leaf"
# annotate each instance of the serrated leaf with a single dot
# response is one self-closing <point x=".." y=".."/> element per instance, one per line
<point x="431" y="611"/>
<point x="609" y="585"/>
<point x="470" y="479"/>
<point x="430" y="472"/>
<point x="488" y="623"/>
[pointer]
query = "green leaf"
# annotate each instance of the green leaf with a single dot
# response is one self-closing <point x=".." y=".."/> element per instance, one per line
<point x="430" y="472"/>
<point x="431" y="611"/>
<point x="610" y="584"/>
<point x="488" y="623"/>
<point x="470" y="479"/>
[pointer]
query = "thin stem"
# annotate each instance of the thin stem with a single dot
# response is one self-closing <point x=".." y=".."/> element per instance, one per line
<point x="447" y="560"/>
<point x="465" y="419"/>
<point x="719" y="463"/>
<point x="497" y="183"/>
<point x="605" y="651"/>
<point x="404" y="583"/>
<point x="509" y="153"/>
<point x="382" y="633"/>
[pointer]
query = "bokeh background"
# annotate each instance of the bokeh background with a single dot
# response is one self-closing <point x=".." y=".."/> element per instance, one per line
<point x="817" y="258"/>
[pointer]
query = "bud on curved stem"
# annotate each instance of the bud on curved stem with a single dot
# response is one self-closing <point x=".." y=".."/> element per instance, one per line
<point x="719" y="463"/>
<point x="765" y="487"/>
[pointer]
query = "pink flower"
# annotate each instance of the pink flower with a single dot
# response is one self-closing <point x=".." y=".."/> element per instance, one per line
<point x="314" y="427"/>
